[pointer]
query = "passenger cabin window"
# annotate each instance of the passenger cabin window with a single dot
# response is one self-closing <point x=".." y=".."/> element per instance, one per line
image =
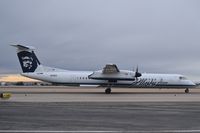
<point x="182" y="78"/>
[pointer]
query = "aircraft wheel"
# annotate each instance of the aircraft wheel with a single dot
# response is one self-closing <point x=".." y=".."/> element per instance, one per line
<point x="108" y="90"/>
<point x="186" y="90"/>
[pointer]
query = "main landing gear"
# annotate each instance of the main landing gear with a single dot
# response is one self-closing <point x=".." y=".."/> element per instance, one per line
<point x="108" y="90"/>
<point x="187" y="90"/>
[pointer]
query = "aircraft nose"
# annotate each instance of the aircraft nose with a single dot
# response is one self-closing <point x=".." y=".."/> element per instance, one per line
<point x="192" y="83"/>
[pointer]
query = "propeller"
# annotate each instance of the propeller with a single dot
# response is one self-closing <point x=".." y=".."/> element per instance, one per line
<point x="137" y="74"/>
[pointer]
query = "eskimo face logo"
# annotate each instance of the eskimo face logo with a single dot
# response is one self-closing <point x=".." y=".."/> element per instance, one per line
<point x="27" y="62"/>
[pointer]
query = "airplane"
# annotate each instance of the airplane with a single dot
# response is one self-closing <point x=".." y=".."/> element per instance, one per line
<point x="110" y="76"/>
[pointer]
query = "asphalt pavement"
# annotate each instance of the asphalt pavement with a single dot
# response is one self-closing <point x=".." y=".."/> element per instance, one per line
<point x="99" y="116"/>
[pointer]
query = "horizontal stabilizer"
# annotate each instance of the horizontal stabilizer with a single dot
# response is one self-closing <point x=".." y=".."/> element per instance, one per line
<point x="22" y="47"/>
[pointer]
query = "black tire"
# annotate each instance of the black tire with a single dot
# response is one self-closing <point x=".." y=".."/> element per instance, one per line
<point x="187" y="90"/>
<point x="108" y="91"/>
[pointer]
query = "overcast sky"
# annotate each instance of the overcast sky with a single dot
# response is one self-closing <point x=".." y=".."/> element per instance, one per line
<point x="157" y="35"/>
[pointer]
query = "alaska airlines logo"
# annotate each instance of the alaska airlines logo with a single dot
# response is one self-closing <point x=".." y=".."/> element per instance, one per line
<point x="148" y="83"/>
<point x="27" y="62"/>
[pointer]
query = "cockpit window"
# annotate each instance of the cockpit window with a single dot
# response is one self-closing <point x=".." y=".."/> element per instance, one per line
<point x="182" y="78"/>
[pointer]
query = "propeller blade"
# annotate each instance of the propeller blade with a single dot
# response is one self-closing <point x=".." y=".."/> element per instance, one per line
<point x="137" y="74"/>
<point x="137" y="68"/>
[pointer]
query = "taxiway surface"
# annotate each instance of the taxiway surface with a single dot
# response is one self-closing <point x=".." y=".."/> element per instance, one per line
<point x="72" y="109"/>
<point x="100" y="117"/>
<point x="76" y="94"/>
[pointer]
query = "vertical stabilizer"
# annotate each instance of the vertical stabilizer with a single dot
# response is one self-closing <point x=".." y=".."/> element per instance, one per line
<point x="27" y="58"/>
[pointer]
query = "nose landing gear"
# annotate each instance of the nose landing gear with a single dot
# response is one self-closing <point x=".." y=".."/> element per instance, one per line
<point x="187" y="90"/>
<point x="108" y="90"/>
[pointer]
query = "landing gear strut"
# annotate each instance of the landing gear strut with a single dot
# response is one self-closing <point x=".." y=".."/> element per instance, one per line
<point x="186" y="90"/>
<point x="108" y="90"/>
<point x="109" y="86"/>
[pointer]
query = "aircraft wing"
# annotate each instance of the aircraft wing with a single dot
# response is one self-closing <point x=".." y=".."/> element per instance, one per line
<point x="111" y="73"/>
<point x="110" y="69"/>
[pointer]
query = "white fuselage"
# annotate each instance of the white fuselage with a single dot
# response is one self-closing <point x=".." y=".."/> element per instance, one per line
<point x="147" y="80"/>
<point x="109" y="76"/>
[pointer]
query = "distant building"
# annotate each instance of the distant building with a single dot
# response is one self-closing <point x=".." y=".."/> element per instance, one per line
<point x="18" y="80"/>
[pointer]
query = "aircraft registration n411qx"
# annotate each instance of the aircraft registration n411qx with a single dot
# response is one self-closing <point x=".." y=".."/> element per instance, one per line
<point x="109" y="76"/>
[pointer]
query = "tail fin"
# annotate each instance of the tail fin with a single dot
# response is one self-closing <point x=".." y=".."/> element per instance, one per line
<point x="27" y="58"/>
